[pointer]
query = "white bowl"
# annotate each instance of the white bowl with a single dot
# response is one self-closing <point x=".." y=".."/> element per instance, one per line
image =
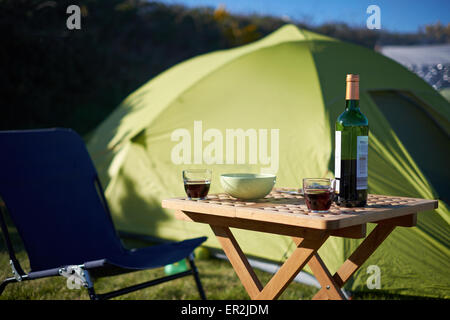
<point x="247" y="186"/>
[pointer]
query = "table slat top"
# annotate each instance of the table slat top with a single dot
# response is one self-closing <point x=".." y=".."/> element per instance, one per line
<point x="284" y="208"/>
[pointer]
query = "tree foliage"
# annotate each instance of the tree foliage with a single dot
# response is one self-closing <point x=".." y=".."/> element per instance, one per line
<point x="53" y="76"/>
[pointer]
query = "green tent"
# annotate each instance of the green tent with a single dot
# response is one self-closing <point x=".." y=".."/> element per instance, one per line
<point x="270" y="106"/>
<point x="446" y="93"/>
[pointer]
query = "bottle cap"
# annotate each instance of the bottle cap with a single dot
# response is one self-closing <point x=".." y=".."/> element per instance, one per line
<point x="352" y="91"/>
<point x="352" y="77"/>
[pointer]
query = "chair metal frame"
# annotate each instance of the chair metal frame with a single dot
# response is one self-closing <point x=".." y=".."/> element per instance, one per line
<point x="19" y="275"/>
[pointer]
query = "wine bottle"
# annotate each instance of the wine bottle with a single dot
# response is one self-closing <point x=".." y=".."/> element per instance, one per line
<point x="351" y="150"/>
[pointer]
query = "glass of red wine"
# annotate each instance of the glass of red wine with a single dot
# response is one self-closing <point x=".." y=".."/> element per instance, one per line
<point x="197" y="183"/>
<point x="318" y="193"/>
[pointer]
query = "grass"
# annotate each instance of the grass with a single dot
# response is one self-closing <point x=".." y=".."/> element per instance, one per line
<point x="218" y="278"/>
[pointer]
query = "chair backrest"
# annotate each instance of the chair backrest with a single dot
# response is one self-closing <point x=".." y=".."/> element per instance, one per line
<point x="53" y="195"/>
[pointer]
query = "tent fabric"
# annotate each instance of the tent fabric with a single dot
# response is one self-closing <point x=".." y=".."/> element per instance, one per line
<point x="445" y="93"/>
<point x="285" y="92"/>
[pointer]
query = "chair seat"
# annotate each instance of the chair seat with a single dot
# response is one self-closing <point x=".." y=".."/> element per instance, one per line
<point x="150" y="257"/>
<point x="136" y="259"/>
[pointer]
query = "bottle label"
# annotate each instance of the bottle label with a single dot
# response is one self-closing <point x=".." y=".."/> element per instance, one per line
<point x="337" y="160"/>
<point x="362" y="151"/>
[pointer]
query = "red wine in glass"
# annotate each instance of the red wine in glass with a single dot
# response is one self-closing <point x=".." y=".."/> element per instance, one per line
<point x="197" y="183"/>
<point x="319" y="200"/>
<point x="197" y="189"/>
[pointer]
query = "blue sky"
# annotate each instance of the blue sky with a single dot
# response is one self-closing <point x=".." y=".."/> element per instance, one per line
<point x="396" y="15"/>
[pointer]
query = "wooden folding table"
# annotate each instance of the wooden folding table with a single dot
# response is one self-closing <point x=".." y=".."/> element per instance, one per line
<point x="286" y="214"/>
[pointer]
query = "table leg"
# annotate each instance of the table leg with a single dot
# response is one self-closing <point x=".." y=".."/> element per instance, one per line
<point x="320" y="271"/>
<point x="238" y="260"/>
<point x="331" y="284"/>
<point x="306" y="252"/>
<point x="282" y="278"/>
<point x="306" y="248"/>
<point x="333" y="291"/>
<point x="354" y="262"/>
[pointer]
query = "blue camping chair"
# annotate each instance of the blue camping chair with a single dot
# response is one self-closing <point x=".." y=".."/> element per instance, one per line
<point x="54" y="198"/>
